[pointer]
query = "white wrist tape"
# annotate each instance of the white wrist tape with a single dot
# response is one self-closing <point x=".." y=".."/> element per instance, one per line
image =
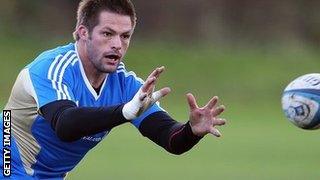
<point x="130" y="110"/>
<point x="139" y="104"/>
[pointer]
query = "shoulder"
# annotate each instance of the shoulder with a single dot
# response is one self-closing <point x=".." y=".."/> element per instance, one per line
<point x="128" y="75"/>
<point x="54" y="62"/>
<point x="129" y="81"/>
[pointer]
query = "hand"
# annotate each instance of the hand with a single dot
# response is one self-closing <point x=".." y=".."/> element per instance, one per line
<point x="203" y="120"/>
<point x="145" y="97"/>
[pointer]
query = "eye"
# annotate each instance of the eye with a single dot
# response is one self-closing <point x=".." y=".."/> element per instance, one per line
<point x="125" y="36"/>
<point x="107" y="34"/>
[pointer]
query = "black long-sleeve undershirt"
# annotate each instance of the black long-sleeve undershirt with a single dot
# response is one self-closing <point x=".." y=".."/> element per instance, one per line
<point x="175" y="137"/>
<point x="72" y="123"/>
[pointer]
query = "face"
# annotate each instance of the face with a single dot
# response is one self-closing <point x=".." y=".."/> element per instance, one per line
<point x="108" y="42"/>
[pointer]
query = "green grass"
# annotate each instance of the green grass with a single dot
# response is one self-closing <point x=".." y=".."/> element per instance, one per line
<point x="248" y="150"/>
<point x="257" y="143"/>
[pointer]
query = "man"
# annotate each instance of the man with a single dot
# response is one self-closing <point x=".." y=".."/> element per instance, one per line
<point x="69" y="98"/>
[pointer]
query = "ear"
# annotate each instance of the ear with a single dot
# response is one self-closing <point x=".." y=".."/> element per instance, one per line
<point x="83" y="32"/>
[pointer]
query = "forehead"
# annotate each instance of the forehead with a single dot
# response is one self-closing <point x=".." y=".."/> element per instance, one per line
<point x="114" y="21"/>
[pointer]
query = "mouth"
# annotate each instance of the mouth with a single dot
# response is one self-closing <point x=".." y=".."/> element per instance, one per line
<point x="113" y="57"/>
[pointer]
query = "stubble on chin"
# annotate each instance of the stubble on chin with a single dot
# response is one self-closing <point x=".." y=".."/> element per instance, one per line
<point x="103" y="68"/>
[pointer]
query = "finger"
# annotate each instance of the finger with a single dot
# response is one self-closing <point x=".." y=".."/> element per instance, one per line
<point x="149" y="84"/>
<point x="143" y="96"/>
<point x="212" y="102"/>
<point x="217" y="111"/>
<point x="156" y="73"/>
<point x="161" y="93"/>
<point x="159" y="71"/>
<point x="215" y="132"/>
<point x="219" y="122"/>
<point x="151" y="89"/>
<point x="151" y="80"/>
<point x="192" y="101"/>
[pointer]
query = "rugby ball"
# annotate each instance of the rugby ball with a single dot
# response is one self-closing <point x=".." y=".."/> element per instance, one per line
<point x="300" y="101"/>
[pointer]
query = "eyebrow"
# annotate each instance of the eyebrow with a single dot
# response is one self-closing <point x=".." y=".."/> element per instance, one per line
<point x="113" y="31"/>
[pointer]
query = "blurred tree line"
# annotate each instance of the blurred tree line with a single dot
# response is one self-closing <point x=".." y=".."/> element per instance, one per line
<point x="221" y="21"/>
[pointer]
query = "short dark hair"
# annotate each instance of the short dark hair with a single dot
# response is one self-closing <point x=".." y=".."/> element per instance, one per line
<point x="89" y="11"/>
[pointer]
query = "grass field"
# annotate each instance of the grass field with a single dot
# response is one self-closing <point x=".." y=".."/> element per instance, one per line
<point x="257" y="143"/>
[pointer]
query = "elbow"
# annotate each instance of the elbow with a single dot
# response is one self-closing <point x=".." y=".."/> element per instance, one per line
<point x="176" y="151"/>
<point x="66" y="131"/>
<point x="66" y="136"/>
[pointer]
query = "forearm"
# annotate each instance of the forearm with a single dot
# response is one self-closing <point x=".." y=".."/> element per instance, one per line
<point x="182" y="140"/>
<point x="72" y="123"/>
<point x="175" y="137"/>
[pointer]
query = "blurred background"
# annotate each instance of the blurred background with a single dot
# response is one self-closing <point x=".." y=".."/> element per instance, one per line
<point x="245" y="52"/>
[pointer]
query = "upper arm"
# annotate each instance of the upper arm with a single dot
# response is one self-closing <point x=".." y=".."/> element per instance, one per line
<point x="53" y="110"/>
<point x="52" y="80"/>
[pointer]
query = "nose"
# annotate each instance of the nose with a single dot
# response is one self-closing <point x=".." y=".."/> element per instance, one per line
<point x="116" y="43"/>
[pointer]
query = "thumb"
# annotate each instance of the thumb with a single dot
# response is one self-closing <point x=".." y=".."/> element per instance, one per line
<point x="215" y="132"/>
<point x="161" y="93"/>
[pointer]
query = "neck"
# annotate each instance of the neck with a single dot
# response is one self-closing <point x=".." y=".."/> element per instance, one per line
<point x="94" y="76"/>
